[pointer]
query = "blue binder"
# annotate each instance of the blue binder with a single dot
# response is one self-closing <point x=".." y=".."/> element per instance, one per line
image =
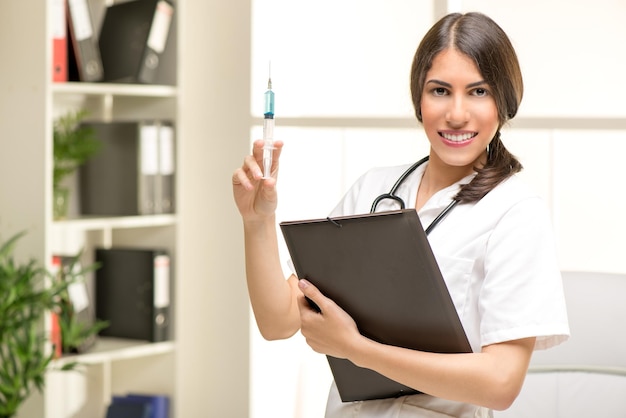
<point x="151" y="406"/>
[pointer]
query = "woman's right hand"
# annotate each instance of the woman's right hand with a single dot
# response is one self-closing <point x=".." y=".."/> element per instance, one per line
<point x="255" y="196"/>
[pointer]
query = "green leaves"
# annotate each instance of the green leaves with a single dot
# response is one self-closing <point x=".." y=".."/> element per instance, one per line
<point x="73" y="144"/>
<point x="27" y="292"/>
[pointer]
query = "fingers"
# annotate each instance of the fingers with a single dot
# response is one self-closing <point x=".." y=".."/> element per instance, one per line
<point x="313" y="297"/>
<point x="257" y="152"/>
<point x="248" y="174"/>
<point x="257" y="149"/>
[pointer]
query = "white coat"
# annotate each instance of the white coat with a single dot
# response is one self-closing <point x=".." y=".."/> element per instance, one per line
<point x="498" y="259"/>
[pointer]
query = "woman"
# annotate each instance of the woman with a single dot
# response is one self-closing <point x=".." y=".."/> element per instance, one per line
<point x="494" y="247"/>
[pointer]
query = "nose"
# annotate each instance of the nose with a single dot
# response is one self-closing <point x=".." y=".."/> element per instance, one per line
<point x="458" y="113"/>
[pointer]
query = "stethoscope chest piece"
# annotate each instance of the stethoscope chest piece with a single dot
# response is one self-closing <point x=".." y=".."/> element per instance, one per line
<point x="392" y="196"/>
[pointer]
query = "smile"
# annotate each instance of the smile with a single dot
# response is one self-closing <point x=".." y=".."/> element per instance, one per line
<point x="458" y="137"/>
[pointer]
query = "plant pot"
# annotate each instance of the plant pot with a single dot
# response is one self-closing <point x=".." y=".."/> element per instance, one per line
<point x="60" y="202"/>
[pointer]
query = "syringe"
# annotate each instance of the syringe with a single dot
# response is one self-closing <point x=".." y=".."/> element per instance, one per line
<point x="268" y="130"/>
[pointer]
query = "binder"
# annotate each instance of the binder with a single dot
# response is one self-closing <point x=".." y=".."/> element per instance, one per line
<point x="128" y="410"/>
<point x="55" y="325"/>
<point x="124" y="177"/>
<point x="381" y="270"/>
<point x="165" y="196"/>
<point x="59" y="42"/>
<point x="159" y="405"/>
<point x="133" y="38"/>
<point x="149" y="168"/>
<point x="133" y="293"/>
<point x="83" y="45"/>
<point x="80" y="298"/>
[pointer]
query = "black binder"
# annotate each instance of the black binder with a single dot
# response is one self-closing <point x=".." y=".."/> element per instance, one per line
<point x="133" y="293"/>
<point x="132" y="40"/>
<point x="134" y="171"/>
<point x="381" y="270"/>
<point x="84" y="55"/>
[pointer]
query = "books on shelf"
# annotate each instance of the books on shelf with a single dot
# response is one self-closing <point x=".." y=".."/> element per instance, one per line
<point x="134" y="171"/>
<point x="85" y="62"/>
<point x="129" y="45"/>
<point x="133" y="38"/>
<point x="59" y="41"/>
<point x="133" y="293"/>
<point x="139" y="405"/>
<point x="77" y="314"/>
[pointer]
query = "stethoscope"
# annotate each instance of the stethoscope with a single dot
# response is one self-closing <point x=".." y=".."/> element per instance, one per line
<point x="392" y="195"/>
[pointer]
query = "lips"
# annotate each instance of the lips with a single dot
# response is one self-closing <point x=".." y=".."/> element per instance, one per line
<point x="459" y="137"/>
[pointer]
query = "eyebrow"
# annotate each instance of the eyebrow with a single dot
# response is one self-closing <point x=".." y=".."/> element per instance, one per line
<point x="448" y="85"/>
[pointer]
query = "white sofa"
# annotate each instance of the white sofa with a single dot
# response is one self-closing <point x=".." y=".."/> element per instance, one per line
<point x="585" y="376"/>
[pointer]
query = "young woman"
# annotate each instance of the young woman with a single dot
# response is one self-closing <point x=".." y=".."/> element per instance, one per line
<point x="494" y="246"/>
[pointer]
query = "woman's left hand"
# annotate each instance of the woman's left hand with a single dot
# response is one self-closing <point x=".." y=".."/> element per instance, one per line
<point x="332" y="331"/>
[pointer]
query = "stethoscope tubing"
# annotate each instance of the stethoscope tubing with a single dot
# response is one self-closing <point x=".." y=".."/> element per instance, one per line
<point x="392" y="195"/>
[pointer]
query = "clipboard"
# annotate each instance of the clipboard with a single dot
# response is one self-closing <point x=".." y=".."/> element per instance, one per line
<point x="381" y="270"/>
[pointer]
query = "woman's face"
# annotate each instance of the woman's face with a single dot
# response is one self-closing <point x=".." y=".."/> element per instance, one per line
<point x="459" y="113"/>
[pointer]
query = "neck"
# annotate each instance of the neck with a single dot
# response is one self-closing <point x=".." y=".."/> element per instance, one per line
<point x="438" y="176"/>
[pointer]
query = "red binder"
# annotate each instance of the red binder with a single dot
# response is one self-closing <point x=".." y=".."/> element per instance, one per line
<point x="55" y="325"/>
<point x="59" y="42"/>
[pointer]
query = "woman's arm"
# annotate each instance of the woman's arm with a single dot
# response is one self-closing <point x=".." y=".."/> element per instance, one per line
<point x="491" y="378"/>
<point x="272" y="297"/>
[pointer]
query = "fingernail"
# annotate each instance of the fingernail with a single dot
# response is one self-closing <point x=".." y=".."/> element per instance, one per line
<point x="303" y="284"/>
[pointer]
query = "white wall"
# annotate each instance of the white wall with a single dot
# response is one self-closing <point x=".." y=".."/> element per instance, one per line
<point x="340" y="73"/>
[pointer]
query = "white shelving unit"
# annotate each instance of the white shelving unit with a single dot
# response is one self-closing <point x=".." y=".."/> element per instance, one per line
<point x="205" y="368"/>
<point x="29" y="104"/>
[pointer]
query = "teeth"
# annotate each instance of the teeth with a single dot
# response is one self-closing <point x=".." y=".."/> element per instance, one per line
<point x="457" y="138"/>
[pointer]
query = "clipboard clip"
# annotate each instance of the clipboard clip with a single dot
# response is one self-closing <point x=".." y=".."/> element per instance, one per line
<point x="334" y="222"/>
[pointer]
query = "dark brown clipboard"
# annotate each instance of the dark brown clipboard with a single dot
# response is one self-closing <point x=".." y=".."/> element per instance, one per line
<point x="381" y="270"/>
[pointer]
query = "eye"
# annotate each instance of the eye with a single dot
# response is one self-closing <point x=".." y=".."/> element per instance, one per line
<point x="439" y="91"/>
<point x="480" y="92"/>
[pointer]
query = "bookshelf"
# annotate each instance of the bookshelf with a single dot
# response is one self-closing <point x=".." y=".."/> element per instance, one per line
<point x="30" y="103"/>
<point x="205" y="368"/>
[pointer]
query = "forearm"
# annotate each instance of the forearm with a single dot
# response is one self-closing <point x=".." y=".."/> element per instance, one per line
<point x="271" y="296"/>
<point x="492" y="378"/>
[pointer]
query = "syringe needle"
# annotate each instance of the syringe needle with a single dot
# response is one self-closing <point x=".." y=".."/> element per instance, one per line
<point x="268" y="130"/>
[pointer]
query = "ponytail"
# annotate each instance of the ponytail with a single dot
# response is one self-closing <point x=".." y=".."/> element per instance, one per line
<point x="501" y="164"/>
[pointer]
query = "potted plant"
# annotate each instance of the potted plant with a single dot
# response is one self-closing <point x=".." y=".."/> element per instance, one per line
<point x="27" y="292"/>
<point x="74" y="143"/>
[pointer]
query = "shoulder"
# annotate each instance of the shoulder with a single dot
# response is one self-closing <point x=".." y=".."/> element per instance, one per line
<point x="514" y="188"/>
<point x="518" y="215"/>
<point x="510" y="209"/>
<point x="513" y="193"/>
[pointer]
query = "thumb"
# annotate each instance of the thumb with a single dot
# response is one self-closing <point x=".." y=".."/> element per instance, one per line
<point x="312" y="294"/>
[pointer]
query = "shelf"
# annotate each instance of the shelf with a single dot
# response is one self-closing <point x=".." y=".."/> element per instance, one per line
<point x="112" y="349"/>
<point x="65" y="230"/>
<point x="113" y="89"/>
<point x="111" y="101"/>
<point x="119" y="222"/>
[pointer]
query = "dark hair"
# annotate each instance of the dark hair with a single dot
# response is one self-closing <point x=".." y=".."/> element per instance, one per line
<point x="481" y="39"/>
